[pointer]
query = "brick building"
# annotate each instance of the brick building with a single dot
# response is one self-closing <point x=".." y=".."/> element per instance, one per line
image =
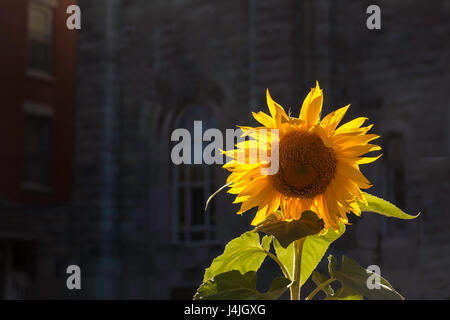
<point x="37" y="80"/>
<point x="145" y="68"/>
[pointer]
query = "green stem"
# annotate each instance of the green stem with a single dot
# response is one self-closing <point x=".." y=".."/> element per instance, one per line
<point x="295" y="287"/>
<point x="282" y="266"/>
<point x="322" y="285"/>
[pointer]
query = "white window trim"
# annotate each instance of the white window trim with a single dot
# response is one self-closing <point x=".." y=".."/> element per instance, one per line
<point x="38" y="109"/>
<point x="50" y="3"/>
<point x="39" y="75"/>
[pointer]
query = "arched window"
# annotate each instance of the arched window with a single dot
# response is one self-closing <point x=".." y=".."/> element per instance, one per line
<point x="193" y="184"/>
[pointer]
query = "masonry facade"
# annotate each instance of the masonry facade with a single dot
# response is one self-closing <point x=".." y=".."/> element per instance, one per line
<point x="37" y="80"/>
<point x="145" y="66"/>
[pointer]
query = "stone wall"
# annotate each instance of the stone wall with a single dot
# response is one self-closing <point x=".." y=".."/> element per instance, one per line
<point x="141" y="63"/>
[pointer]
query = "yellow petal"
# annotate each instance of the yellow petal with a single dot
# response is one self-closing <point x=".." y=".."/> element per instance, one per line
<point x="323" y="134"/>
<point x="260" y="215"/>
<point x="332" y="120"/>
<point x="277" y="112"/>
<point x="264" y="119"/>
<point x="350" y="172"/>
<point x="353" y="140"/>
<point x="366" y="160"/>
<point x="323" y="211"/>
<point x="312" y="106"/>
<point x="355" y="151"/>
<point x="351" y="125"/>
<point x="241" y="199"/>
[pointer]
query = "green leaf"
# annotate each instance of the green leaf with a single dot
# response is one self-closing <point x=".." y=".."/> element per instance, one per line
<point x="287" y="232"/>
<point x="355" y="277"/>
<point x="285" y="255"/>
<point x="277" y="288"/>
<point x="233" y="285"/>
<point x="207" y="288"/>
<point x="383" y="207"/>
<point x="345" y="293"/>
<point x="318" y="279"/>
<point x="314" y="248"/>
<point x="244" y="254"/>
<point x="227" y="285"/>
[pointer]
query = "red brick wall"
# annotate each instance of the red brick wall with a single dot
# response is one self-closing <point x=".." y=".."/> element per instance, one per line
<point x="17" y="87"/>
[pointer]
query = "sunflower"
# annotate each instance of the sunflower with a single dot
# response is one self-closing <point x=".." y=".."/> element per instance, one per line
<point x="318" y="168"/>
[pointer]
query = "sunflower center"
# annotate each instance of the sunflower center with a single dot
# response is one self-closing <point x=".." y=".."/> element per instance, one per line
<point x="307" y="166"/>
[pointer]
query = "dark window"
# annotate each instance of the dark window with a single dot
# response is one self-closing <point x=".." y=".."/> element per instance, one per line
<point x="194" y="184"/>
<point x="17" y="268"/>
<point x="37" y="149"/>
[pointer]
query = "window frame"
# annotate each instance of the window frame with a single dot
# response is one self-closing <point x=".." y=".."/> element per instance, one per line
<point x="206" y="183"/>
<point x="40" y="111"/>
<point x="47" y="6"/>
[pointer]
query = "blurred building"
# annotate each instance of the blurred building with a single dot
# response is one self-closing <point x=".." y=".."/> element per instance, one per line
<point x="37" y="81"/>
<point x="135" y="224"/>
<point x="148" y="67"/>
